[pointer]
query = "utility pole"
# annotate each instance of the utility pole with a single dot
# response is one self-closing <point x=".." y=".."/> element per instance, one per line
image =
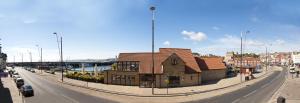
<point x="61" y="61"/>
<point x="241" y="64"/>
<point x="41" y="60"/>
<point x="22" y="60"/>
<point x="266" y="58"/>
<point x="152" y="8"/>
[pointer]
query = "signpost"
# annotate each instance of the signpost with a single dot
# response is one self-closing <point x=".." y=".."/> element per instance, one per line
<point x="167" y="82"/>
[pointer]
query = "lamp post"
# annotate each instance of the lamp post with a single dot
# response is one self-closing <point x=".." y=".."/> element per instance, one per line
<point x="152" y="9"/>
<point x="241" y="64"/>
<point x="41" y="56"/>
<point x="61" y="55"/>
<point x="30" y="57"/>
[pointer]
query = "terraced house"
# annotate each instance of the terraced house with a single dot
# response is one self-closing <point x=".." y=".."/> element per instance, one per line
<point x="172" y="67"/>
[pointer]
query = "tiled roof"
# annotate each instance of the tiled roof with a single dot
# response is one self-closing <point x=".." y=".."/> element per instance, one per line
<point x="145" y="59"/>
<point x="210" y="63"/>
<point x="185" y="54"/>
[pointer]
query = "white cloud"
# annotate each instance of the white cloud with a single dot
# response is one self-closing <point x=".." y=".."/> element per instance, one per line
<point x="216" y="28"/>
<point x="279" y="42"/>
<point x="194" y="36"/>
<point x="167" y="43"/>
<point x="29" y="21"/>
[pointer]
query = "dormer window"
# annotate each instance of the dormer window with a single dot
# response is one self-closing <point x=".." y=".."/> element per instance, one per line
<point x="174" y="61"/>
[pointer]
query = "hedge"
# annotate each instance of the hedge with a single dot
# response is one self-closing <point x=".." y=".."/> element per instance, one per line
<point x="86" y="77"/>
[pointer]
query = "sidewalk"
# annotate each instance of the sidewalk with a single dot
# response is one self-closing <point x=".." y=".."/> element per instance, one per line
<point x="290" y="90"/>
<point x="9" y="92"/>
<point x="159" y="92"/>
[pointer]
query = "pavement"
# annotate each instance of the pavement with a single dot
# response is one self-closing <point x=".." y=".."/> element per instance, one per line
<point x="290" y="90"/>
<point x="259" y="92"/>
<point x="9" y="92"/>
<point x="46" y="91"/>
<point x="49" y="90"/>
<point x="159" y="92"/>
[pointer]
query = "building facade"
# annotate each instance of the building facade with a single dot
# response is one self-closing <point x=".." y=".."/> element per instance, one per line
<point x="173" y="67"/>
<point x="212" y="68"/>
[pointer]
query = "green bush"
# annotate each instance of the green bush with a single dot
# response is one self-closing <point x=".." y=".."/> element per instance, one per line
<point x="86" y="77"/>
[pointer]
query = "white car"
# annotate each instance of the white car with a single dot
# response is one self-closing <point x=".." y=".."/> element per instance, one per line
<point x="16" y="76"/>
<point x="292" y="70"/>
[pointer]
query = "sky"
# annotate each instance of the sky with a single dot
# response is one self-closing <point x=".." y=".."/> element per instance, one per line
<point x="99" y="29"/>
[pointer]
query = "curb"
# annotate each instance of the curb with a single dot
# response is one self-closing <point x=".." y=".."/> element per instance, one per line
<point x="275" y="94"/>
<point x="159" y="95"/>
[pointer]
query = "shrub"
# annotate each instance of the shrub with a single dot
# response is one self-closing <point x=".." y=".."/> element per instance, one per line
<point x="86" y="77"/>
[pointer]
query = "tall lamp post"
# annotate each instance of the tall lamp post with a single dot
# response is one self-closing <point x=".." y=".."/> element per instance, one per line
<point x="152" y="9"/>
<point x="41" y="56"/>
<point x="241" y="64"/>
<point x="61" y="55"/>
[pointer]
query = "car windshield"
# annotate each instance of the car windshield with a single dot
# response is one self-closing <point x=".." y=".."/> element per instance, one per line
<point x="28" y="87"/>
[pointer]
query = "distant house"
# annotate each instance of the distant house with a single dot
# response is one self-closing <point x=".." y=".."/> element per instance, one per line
<point x="212" y="68"/>
<point x="249" y="64"/>
<point x="172" y="67"/>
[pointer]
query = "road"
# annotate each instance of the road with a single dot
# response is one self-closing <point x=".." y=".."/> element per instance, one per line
<point x="46" y="91"/>
<point x="259" y="92"/>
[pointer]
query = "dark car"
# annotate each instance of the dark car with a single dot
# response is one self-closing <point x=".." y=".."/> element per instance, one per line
<point x="19" y="82"/>
<point x="231" y="74"/>
<point x="27" y="90"/>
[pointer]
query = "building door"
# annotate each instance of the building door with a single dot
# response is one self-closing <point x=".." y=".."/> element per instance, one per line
<point x="174" y="81"/>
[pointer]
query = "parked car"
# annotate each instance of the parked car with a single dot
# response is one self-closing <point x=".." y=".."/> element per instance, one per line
<point x="27" y="90"/>
<point x="52" y="71"/>
<point x="32" y="70"/>
<point x="19" y="82"/>
<point x="231" y="73"/>
<point x="15" y="77"/>
<point x="258" y="70"/>
<point x="16" y="73"/>
<point x="292" y="70"/>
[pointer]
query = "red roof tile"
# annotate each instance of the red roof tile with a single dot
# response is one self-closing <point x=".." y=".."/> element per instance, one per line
<point x="145" y="59"/>
<point x="210" y="63"/>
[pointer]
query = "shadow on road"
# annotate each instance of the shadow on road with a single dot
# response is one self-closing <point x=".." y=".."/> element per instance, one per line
<point x="5" y="96"/>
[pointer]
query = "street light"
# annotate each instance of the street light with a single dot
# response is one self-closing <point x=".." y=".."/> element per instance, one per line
<point x="61" y="56"/>
<point x="152" y="9"/>
<point x="30" y="57"/>
<point x="241" y="64"/>
<point x="41" y="55"/>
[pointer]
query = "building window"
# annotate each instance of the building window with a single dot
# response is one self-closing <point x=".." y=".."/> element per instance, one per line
<point x="191" y="77"/>
<point x="174" y="61"/>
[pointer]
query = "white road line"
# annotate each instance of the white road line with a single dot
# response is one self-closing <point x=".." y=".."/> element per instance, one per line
<point x="73" y="100"/>
<point x="236" y="101"/>
<point x="265" y="85"/>
<point x="249" y="94"/>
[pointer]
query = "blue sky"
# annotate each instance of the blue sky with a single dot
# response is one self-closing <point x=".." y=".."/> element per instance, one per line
<point x="98" y="29"/>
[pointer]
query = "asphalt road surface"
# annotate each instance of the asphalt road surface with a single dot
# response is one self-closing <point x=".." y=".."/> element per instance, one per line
<point x="259" y="92"/>
<point x="49" y="92"/>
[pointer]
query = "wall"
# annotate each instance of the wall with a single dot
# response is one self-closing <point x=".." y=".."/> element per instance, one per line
<point x="209" y="75"/>
<point x="126" y="77"/>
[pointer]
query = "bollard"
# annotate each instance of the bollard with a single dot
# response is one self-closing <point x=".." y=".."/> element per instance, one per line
<point x="280" y="99"/>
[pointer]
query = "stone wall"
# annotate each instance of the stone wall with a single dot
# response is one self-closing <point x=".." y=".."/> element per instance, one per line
<point x="121" y="77"/>
<point x="209" y="75"/>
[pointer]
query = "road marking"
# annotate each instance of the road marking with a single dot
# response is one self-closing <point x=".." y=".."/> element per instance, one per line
<point x="249" y="94"/>
<point x="265" y="85"/>
<point x="73" y="100"/>
<point x="236" y="101"/>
